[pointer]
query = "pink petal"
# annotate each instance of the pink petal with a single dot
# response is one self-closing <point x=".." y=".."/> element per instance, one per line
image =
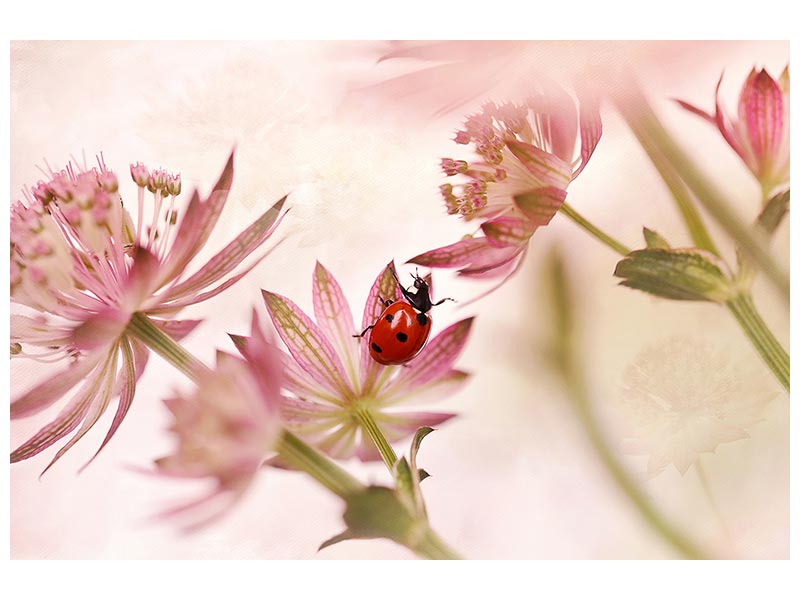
<point x="726" y="129"/>
<point x="697" y="111"/>
<point x="307" y="344"/>
<point x="49" y="391"/>
<point x="558" y="109"/>
<point x="177" y="330"/>
<point x="455" y="255"/>
<point x="128" y="381"/>
<point x="436" y="359"/>
<point x="493" y="262"/>
<point x="141" y="281"/>
<point x="101" y="329"/>
<point x="232" y="255"/>
<point x="507" y="231"/>
<point x="761" y="109"/>
<point x="67" y="420"/>
<point x="197" y="225"/>
<point x="398" y="426"/>
<point x="436" y="389"/>
<point x="265" y="363"/>
<point x="333" y="316"/>
<point x="385" y="287"/>
<point x="591" y="127"/>
<point x="546" y="168"/>
<point x="542" y="204"/>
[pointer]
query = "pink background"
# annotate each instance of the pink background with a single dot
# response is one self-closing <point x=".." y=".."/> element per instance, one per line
<point x="513" y="477"/>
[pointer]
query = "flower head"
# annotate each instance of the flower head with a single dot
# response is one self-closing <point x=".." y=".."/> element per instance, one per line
<point x="81" y="268"/>
<point x="684" y="397"/>
<point x="524" y="161"/>
<point x="229" y="424"/>
<point x="329" y="374"/>
<point x="760" y="133"/>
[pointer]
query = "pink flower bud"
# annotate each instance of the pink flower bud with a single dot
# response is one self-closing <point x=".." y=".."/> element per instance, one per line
<point x="140" y="174"/>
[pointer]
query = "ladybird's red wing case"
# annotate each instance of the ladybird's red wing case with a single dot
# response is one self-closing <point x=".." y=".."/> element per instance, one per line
<point x="399" y="334"/>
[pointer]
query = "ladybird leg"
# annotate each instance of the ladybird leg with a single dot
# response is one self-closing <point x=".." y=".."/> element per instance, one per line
<point x="444" y="300"/>
<point x="385" y="302"/>
<point x="360" y="335"/>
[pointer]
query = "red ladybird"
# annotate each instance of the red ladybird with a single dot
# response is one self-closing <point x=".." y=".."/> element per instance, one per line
<point x="403" y="327"/>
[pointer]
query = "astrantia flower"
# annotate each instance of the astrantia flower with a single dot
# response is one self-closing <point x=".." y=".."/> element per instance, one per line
<point x="684" y="397"/>
<point x="330" y="376"/>
<point x="518" y="180"/>
<point x="228" y="425"/>
<point x="760" y="134"/>
<point x="83" y="271"/>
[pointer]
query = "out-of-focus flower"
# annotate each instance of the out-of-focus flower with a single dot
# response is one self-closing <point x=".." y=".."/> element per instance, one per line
<point x="518" y="181"/>
<point x="684" y="397"/>
<point x="228" y="425"/>
<point x="81" y="269"/>
<point x="760" y="133"/>
<point x="330" y="376"/>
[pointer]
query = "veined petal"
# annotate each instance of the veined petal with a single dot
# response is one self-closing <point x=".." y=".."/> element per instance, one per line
<point x="591" y="128"/>
<point x="546" y="168"/>
<point x="101" y="329"/>
<point x="385" y="287"/>
<point x="307" y="344"/>
<point x="49" y="391"/>
<point x="67" y="420"/>
<point x="197" y="224"/>
<point x="433" y="391"/>
<point x="558" y="109"/>
<point x="455" y="255"/>
<point x="177" y="330"/>
<point x="334" y="318"/>
<point x="508" y="231"/>
<point x="128" y="387"/>
<point x="492" y="262"/>
<point x="265" y="363"/>
<point x="761" y="109"/>
<point x="542" y="204"/>
<point x="437" y="358"/>
<point x="141" y="281"/>
<point x="232" y="255"/>
<point x="397" y="426"/>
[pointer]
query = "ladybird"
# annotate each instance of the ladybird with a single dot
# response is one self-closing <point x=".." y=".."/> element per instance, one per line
<point x="403" y="327"/>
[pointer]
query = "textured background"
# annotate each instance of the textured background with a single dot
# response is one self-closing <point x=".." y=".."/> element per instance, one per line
<point x="513" y="476"/>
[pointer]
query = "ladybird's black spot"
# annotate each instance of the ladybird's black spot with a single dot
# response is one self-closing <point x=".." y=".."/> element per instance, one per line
<point x="422" y="319"/>
<point x="390" y="318"/>
<point x="402" y="336"/>
<point x="377" y="348"/>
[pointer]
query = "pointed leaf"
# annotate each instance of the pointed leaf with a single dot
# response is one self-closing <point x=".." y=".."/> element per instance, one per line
<point x="340" y="537"/>
<point x="542" y="204"/>
<point x="307" y="344"/>
<point x="681" y="274"/>
<point x="653" y="239"/>
<point x="773" y="212"/>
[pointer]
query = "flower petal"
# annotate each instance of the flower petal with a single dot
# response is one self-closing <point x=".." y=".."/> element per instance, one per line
<point x="697" y="111"/>
<point x="542" y="204"/>
<point x="334" y="318"/>
<point x="591" y="128"/>
<point x="101" y="329"/>
<point x="433" y="391"/>
<point x="397" y="426"/>
<point x="385" y="287"/>
<point x="455" y="255"/>
<point x="546" y="168"/>
<point x="49" y="391"/>
<point x="232" y="255"/>
<point x="436" y="359"/>
<point x="508" y="231"/>
<point x="307" y="344"/>
<point x="761" y="109"/>
<point x="177" y="330"/>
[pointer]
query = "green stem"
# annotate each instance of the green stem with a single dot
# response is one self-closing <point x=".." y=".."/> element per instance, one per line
<point x="770" y="349"/>
<point x="640" y="116"/>
<point x="302" y="456"/>
<point x="431" y="546"/>
<point x="369" y="425"/>
<point x="680" y="193"/>
<point x="609" y="241"/>
<point x="143" y="329"/>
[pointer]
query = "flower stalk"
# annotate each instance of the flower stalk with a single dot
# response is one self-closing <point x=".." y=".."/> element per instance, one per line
<point x="303" y="457"/>
<point x="141" y="327"/>
<point x="593" y="230"/>
<point x="744" y="311"/>
<point x="370" y="427"/>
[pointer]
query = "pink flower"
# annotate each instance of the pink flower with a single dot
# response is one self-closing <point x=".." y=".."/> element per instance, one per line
<point x="81" y="270"/>
<point x="525" y="160"/>
<point x="760" y="135"/>
<point x="329" y="374"/>
<point x="228" y="425"/>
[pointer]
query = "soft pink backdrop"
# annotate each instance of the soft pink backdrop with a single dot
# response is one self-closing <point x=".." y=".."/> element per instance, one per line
<point x="514" y="476"/>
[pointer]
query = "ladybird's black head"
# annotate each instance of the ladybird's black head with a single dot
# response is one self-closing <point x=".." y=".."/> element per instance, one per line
<point x="421" y="297"/>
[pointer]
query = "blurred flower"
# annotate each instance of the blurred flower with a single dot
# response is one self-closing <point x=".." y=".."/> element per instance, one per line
<point x="684" y="397"/>
<point x="760" y="136"/>
<point x="81" y="270"/>
<point x="330" y="374"/>
<point x="228" y="425"/>
<point x="518" y="181"/>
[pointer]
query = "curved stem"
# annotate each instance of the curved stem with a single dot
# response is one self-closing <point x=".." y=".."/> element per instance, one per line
<point x="770" y="349"/>
<point x="371" y="428"/>
<point x="598" y="233"/>
<point x="302" y="456"/>
<point x="431" y="546"/>
<point x="143" y="329"/>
